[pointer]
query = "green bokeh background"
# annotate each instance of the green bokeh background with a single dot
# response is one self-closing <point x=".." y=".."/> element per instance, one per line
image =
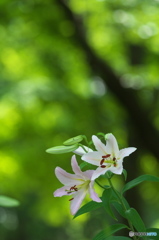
<point x="49" y="93"/>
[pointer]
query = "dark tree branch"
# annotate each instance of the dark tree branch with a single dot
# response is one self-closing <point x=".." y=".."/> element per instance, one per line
<point x="146" y="132"/>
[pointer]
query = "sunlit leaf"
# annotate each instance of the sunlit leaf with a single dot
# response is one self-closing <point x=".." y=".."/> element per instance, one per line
<point x="8" y="202"/>
<point x="88" y="207"/>
<point x="138" y="180"/>
<point x="62" y="149"/>
<point x="104" y="234"/>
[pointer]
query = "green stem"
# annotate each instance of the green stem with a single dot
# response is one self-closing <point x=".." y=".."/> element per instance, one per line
<point x="123" y="205"/>
<point x="83" y="148"/>
<point x="85" y="138"/>
<point x="100" y="185"/>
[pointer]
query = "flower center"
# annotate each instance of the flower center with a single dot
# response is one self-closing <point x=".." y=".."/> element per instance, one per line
<point x="72" y="190"/>
<point x="107" y="159"/>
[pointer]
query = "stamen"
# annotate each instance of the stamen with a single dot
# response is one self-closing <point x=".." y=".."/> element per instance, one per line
<point x="103" y="166"/>
<point x="114" y="159"/>
<point x="71" y="199"/>
<point x="106" y="156"/>
<point x="74" y="188"/>
<point x="102" y="161"/>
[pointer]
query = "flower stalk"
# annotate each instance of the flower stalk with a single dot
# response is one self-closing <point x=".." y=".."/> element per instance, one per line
<point x="123" y="205"/>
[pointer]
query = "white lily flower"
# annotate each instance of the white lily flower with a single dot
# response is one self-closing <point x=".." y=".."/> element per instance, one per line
<point x="107" y="157"/>
<point x="78" y="185"/>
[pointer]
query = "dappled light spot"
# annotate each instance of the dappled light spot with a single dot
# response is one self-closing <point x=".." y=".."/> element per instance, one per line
<point x="132" y="81"/>
<point x="98" y="87"/>
<point x="148" y="30"/>
<point x="8" y="165"/>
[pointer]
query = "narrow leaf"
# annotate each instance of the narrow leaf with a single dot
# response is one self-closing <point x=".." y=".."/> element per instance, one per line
<point x="107" y="199"/>
<point x="138" y="180"/>
<point x="125" y="174"/>
<point x="8" y="202"/>
<point x="62" y="149"/>
<point x="103" y="235"/>
<point x="133" y="216"/>
<point x="85" y="164"/>
<point x="73" y="140"/>
<point x="88" y="207"/>
<point x="119" y="208"/>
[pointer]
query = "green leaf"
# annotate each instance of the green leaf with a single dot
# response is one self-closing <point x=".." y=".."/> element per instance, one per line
<point x="8" y="202"/>
<point x="125" y="202"/>
<point x="109" y="174"/>
<point x="62" y="149"/>
<point x="84" y="164"/>
<point x="73" y="140"/>
<point x="104" y="234"/>
<point x="119" y="208"/>
<point x="118" y="238"/>
<point x="138" y="180"/>
<point x="153" y="233"/>
<point x="133" y="216"/>
<point x="107" y="199"/>
<point x="125" y="174"/>
<point x="88" y="207"/>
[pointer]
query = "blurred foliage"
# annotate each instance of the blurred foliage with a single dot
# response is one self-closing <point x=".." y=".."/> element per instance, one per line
<point x="49" y="94"/>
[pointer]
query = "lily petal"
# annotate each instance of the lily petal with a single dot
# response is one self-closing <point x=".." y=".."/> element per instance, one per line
<point x="112" y="145"/>
<point x="118" y="169"/>
<point x="67" y="178"/>
<point x="93" y="194"/>
<point x="93" y="158"/>
<point x="99" y="145"/>
<point x="88" y="174"/>
<point x="80" y="151"/>
<point x="126" y="152"/>
<point x="78" y="198"/>
<point x="99" y="171"/>
<point x="62" y="191"/>
<point x="75" y="166"/>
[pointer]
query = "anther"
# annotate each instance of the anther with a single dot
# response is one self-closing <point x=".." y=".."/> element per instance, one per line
<point x="103" y="166"/>
<point x="102" y="161"/>
<point x="71" y="199"/>
<point x="106" y="156"/>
